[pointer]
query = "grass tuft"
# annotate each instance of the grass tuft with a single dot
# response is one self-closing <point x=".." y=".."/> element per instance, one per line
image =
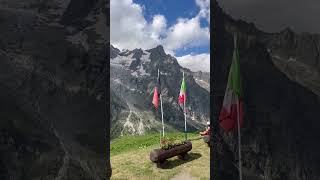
<point x="129" y="143"/>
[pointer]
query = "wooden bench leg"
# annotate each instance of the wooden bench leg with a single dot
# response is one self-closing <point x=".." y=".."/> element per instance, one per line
<point x="182" y="156"/>
<point x="160" y="164"/>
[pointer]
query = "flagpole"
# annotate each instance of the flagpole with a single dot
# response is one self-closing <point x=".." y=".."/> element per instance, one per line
<point x="238" y="119"/>
<point x="161" y="107"/>
<point x="185" y="115"/>
<point x="162" y="115"/>
<point x="239" y="140"/>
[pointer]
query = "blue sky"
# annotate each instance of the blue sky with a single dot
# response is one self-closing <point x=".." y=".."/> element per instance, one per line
<point x="172" y="10"/>
<point x="181" y="26"/>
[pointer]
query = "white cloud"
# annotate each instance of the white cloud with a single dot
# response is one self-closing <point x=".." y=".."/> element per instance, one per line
<point x="186" y="32"/>
<point x="158" y="27"/>
<point x="159" y="23"/>
<point x="204" y="9"/>
<point x="203" y="4"/>
<point x="199" y="62"/>
<point x="130" y="30"/>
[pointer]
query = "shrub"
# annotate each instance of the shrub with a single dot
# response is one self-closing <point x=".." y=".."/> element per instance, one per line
<point x="167" y="143"/>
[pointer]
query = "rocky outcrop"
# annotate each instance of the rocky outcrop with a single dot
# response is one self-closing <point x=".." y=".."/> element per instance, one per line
<point x="297" y="55"/>
<point x="52" y="90"/>
<point x="279" y="138"/>
<point x="203" y="79"/>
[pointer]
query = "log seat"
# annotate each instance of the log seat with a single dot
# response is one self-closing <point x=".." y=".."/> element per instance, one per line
<point x="160" y="155"/>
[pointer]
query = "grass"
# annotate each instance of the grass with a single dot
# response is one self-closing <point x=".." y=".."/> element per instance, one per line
<point x="128" y="143"/>
<point x="130" y="158"/>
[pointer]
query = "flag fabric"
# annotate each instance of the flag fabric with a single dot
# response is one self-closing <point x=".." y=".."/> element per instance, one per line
<point x="182" y="94"/>
<point x="155" y="100"/>
<point x="156" y="93"/>
<point x="233" y="96"/>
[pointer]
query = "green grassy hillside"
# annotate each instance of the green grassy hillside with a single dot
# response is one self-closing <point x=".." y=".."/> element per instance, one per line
<point x="130" y="159"/>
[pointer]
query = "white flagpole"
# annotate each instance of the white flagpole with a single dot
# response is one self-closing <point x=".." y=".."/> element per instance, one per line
<point x="162" y="116"/>
<point x="185" y="113"/>
<point x="239" y="140"/>
<point x="161" y="107"/>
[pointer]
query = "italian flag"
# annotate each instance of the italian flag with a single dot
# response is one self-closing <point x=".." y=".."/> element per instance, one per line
<point x="233" y="98"/>
<point x="182" y="94"/>
<point x="155" y="99"/>
<point x="156" y="92"/>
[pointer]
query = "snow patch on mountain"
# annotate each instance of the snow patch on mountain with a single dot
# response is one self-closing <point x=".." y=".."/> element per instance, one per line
<point x="122" y="60"/>
<point x="145" y="57"/>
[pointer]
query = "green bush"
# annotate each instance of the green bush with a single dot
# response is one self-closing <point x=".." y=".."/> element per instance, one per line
<point x="170" y="142"/>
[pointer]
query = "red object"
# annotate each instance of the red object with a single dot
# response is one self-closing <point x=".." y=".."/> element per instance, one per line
<point x="207" y="132"/>
<point x="229" y="120"/>
<point x="181" y="99"/>
<point x="155" y="100"/>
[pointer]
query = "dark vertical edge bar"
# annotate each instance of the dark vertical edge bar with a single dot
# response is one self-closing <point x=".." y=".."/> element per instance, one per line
<point x="212" y="119"/>
<point x="107" y="128"/>
<point x="214" y="125"/>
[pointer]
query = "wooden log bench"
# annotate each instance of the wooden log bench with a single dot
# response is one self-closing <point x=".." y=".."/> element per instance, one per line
<point x="160" y="155"/>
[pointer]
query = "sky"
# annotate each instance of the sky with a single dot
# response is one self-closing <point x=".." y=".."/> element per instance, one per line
<point x="276" y="15"/>
<point x="180" y="26"/>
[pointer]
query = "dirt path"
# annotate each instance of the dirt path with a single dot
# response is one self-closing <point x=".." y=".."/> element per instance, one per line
<point x="184" y="176"/>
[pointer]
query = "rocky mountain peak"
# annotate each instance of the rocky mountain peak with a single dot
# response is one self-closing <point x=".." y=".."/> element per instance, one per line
<point x="133" y="76"/>
<point x="287" y="30"/>
<point x="113" y="51"/>
<point x="287" y="36"/>
<point x="137" y="53"/>
<point x="159" y="51"/>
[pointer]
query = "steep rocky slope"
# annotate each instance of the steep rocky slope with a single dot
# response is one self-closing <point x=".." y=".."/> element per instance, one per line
<point x="203" y="79"/>
<point x="133" y="76"/>
<point x="280" y="74"/>
<point x="52" y="84"/>
<point x="298" y="56"/>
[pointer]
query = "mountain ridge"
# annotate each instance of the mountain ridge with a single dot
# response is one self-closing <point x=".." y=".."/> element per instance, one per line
<point x="141" y="67"/>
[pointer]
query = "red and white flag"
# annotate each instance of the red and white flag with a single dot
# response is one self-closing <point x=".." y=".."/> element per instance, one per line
<point x="233" y="98"/>
<point x="182" y="94"/>
<point x="156" y="93"/>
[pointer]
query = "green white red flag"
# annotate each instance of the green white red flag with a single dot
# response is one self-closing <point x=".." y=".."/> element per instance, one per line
<point x="156" y="93"/>
<point x="233" y="98"/>
<point x="182" y="94"/>
<point x="155" y="99"/>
